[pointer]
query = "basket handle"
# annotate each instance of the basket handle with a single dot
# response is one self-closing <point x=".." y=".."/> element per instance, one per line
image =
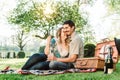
<point x="83" y="63"/>
<point x="106" y="40"/>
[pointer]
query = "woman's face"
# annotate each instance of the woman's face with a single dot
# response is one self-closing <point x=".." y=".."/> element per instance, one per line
<point x="63" y="35"/>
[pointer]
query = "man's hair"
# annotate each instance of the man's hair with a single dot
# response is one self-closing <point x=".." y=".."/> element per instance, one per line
<point x="70" y="22"/>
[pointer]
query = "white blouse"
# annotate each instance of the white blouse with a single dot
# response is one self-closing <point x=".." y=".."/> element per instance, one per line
<point x="63" y="51"/>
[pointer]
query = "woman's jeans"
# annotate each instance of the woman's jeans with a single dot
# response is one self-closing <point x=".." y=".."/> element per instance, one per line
<point x="39" y="62"/>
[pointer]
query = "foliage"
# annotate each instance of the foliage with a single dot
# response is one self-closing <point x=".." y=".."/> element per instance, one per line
<point x="113" y="14"/>
<point x="45" y="16"/>
<point x="79" y="2"/>
<point x="113" y="6"/>
<point x="21" y="54"/>
<point x="89" y="50"/>
<point x="12" y="55"/>
<point x="88" y="35"/>
<point x="41" y="49"/>
<point x="8" y="55"/>
<point x="68" y="11"/>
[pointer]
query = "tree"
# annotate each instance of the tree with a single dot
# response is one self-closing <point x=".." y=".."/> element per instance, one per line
<point x="113" y="6"/>
<point x="88" y="35"/>
<point x="46" y="15"/>
<point x="113" y="13"/>
<point x="21" y="39"/>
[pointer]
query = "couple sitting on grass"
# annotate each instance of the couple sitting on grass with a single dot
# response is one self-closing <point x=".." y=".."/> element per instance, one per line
<point x="69" y="45"/>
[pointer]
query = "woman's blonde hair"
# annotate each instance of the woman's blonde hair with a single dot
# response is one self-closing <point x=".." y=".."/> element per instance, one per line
<point x="58" y="36"/>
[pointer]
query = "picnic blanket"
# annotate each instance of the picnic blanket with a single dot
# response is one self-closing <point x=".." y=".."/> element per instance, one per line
<point x="45" y="72"/>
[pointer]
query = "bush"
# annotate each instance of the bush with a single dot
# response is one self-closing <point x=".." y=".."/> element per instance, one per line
<point x="89" y="50"/>
<point x="21" y="54"/>
<point x="14" y="55"/>
<point x="41" y="49"/>
<point x="8" y="55"/>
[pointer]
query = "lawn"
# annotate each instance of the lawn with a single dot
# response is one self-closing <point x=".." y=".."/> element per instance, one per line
<point x="17" y="63"/>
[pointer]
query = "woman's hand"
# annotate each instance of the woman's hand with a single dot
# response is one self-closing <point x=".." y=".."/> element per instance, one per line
<point x="51" y="57"/>
<point x="47" y="47"/>
<point x="48" y="39"/>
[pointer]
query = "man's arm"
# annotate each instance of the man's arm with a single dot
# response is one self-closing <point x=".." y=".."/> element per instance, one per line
<point x="71" y="58"/>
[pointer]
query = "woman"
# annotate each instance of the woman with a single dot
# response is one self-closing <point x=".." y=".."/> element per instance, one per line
<point x="62" y="43"/>
<point x="63" y="48"/>
<point x="43" y="61"/>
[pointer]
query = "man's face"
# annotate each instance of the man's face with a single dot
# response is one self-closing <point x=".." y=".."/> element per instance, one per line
<point x="67" y="29"/>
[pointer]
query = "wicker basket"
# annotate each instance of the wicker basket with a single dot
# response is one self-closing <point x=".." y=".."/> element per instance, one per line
<point x="96" y="62"/>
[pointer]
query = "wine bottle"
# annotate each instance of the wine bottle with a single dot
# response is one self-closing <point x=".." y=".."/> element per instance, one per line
<point x="108" y="68"/>
<point x="52" y="44"/>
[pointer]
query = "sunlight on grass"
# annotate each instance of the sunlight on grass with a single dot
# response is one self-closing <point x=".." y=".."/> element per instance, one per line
<point x="13" y="63"/>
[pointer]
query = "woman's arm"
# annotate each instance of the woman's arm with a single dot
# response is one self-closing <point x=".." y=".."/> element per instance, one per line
<point x="47" y="47"/>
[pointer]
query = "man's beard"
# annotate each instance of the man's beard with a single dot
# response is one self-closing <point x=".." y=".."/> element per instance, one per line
<point x="67" y="34"/>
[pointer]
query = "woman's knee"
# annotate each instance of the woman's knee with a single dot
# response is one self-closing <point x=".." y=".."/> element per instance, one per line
<point x="53" y="65"/>
<point x="58" y="65"/>
<point x="35" y="55"/>
<point x="39" y="55"/>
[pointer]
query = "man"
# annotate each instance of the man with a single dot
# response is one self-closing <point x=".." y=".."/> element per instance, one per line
<point x="76" y="49"/>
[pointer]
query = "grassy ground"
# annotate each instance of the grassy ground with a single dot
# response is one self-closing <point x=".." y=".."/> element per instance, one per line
<point x="17" y="63"/>
<point x="13" y="63"/>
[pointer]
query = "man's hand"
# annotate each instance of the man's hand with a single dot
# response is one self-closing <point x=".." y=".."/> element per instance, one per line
<point x="51" y="57"/>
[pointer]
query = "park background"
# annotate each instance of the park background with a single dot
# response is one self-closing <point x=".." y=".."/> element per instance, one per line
<point x="19" y="22"/>
<point x="25" y="24"/>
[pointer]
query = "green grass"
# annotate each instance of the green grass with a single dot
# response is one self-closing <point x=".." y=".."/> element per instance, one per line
<point x="99" y="75"/>
<point x="13" y="63"/>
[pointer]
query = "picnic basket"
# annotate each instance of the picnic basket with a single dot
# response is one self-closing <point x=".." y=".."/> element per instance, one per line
<point x="96" y="62"/>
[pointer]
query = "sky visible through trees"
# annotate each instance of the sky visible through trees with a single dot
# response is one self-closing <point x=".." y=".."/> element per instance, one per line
<point x="101" y="23"/>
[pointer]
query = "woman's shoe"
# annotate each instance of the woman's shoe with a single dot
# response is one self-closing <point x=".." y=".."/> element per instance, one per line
<point x="7" y="68"/>
<point x="24" y="72"/>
